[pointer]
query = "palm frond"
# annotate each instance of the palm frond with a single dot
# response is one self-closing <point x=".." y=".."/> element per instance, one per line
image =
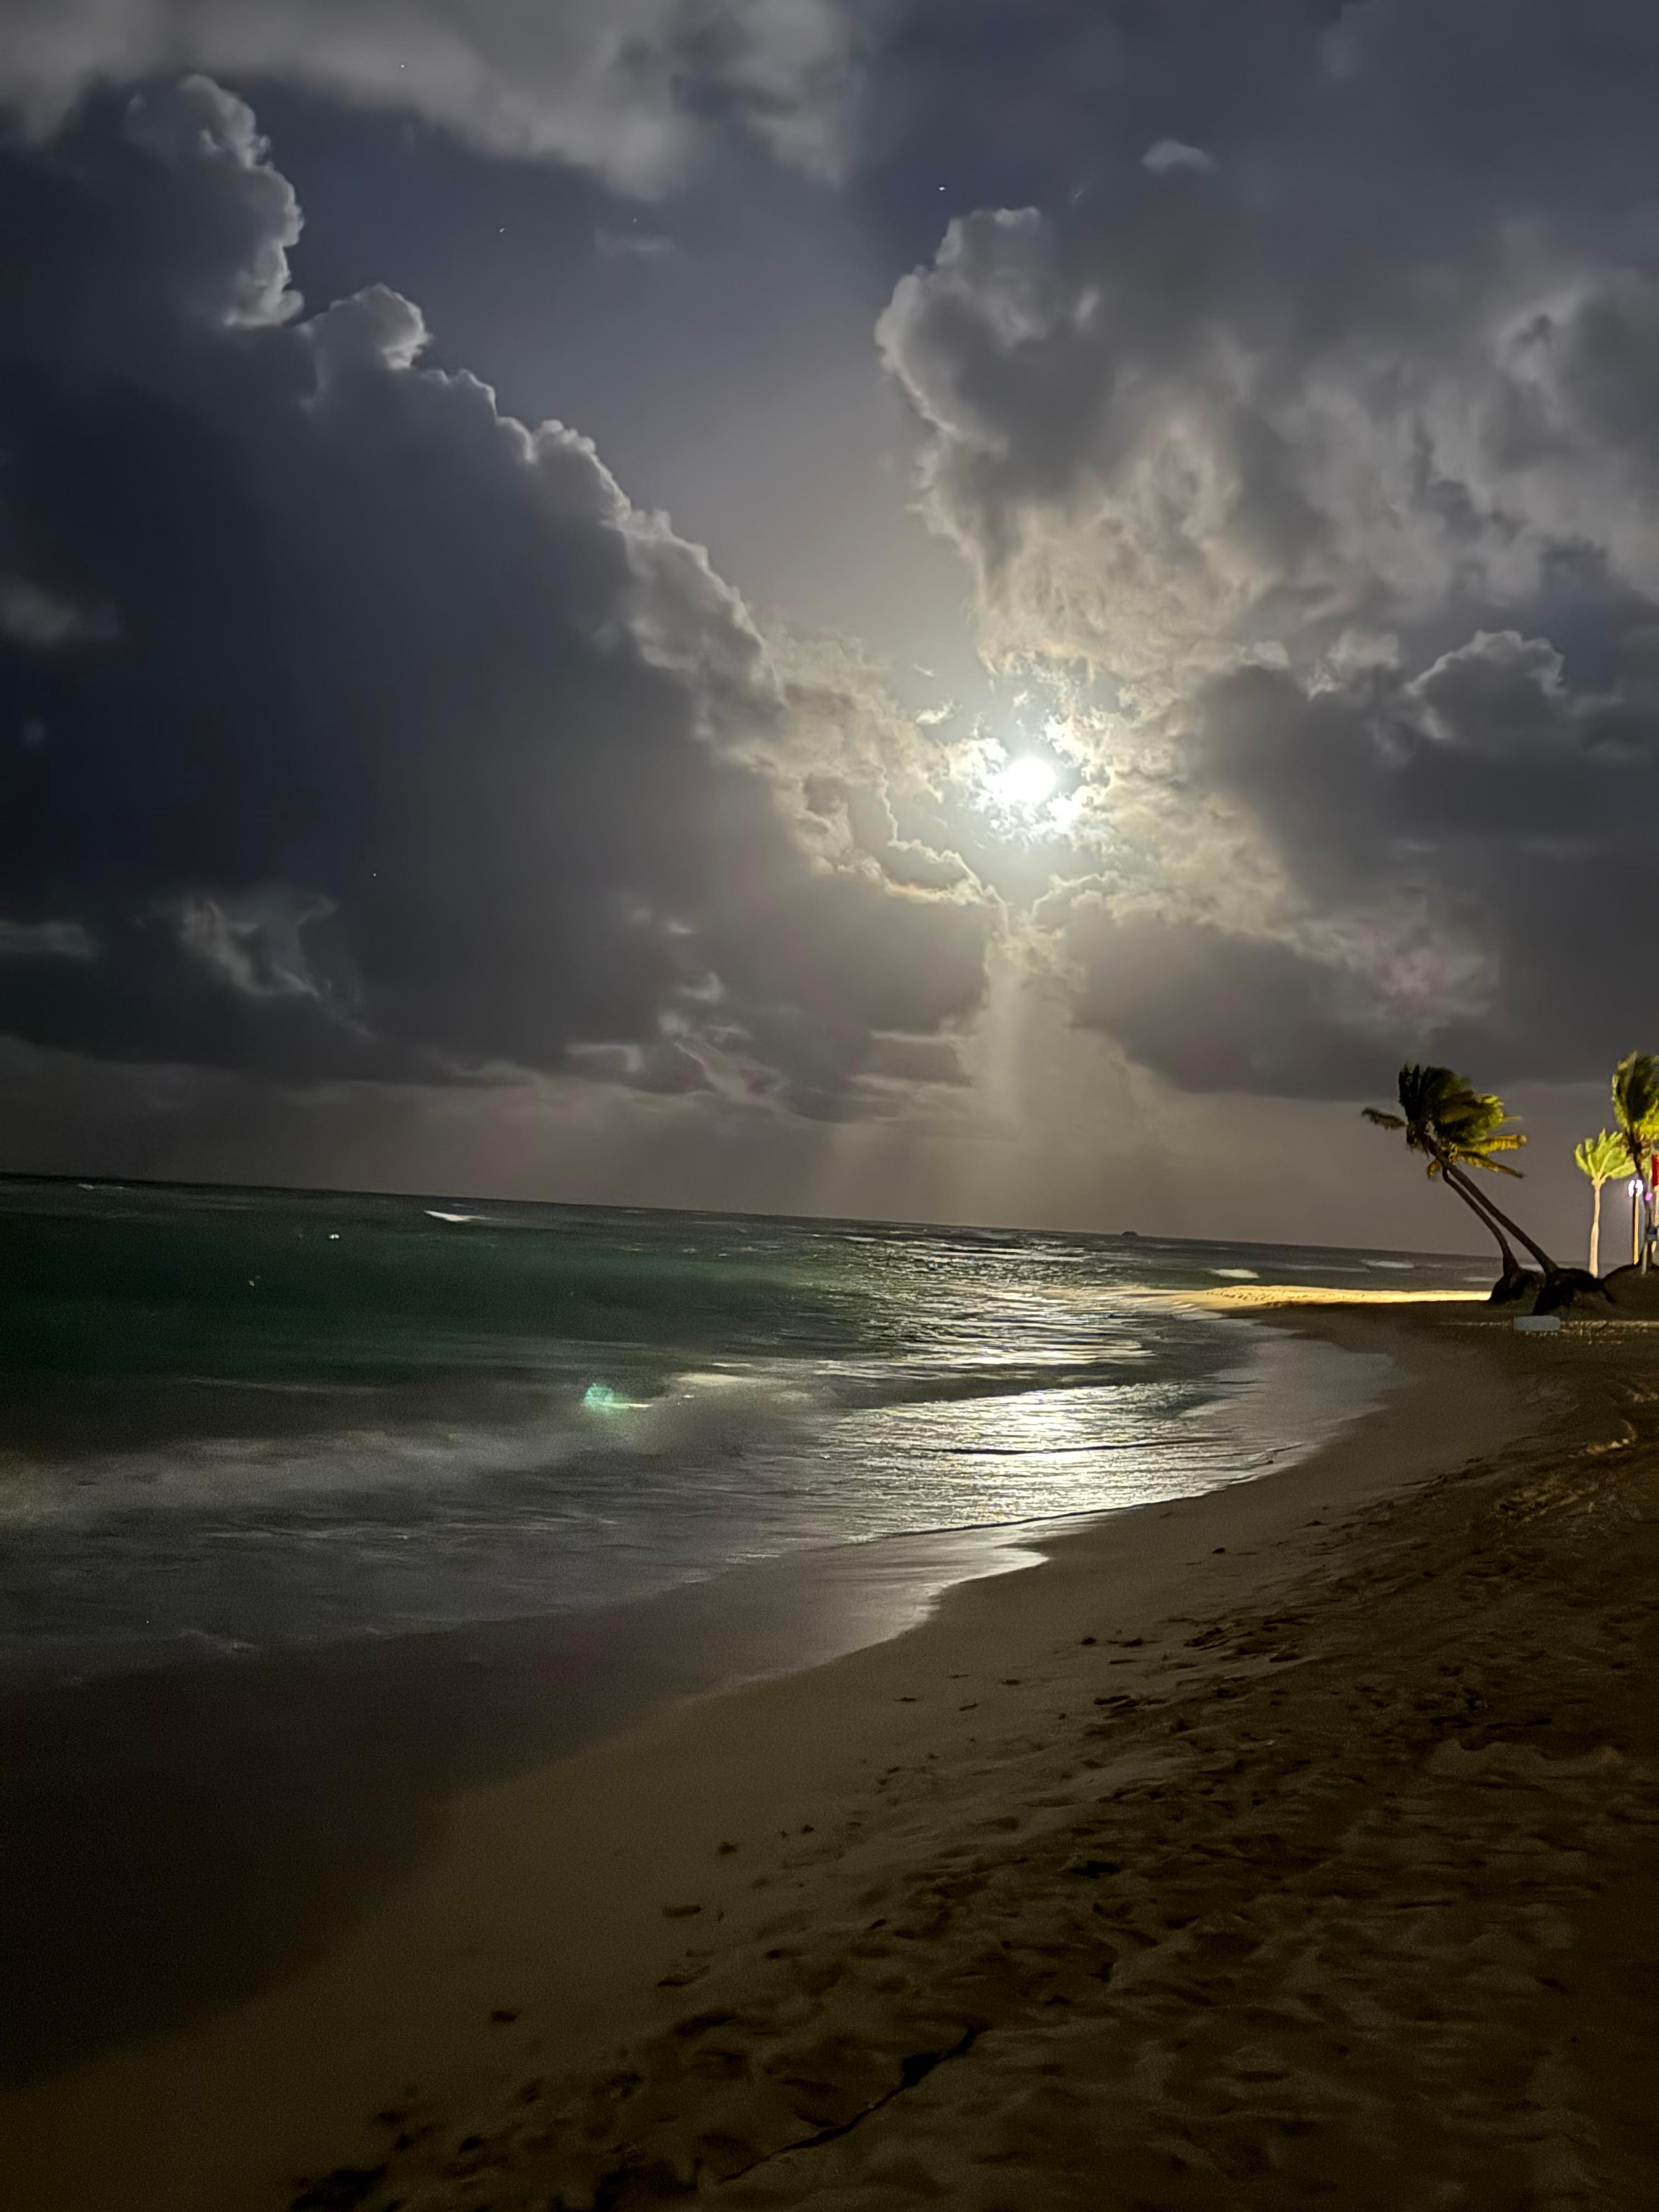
<point x="1602" y="1156"/>
<point x="1444" y="1115"/>
<point x="1636" y="1098"/>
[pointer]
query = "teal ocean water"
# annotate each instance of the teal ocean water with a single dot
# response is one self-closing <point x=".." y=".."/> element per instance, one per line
<point x="236" y="1420"/>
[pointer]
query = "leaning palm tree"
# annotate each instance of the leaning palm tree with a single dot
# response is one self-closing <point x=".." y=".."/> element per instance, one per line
<point x="1636" y="1109"/>
<point x="1457" y="1127"/>
<point x="1604" y="1158"/>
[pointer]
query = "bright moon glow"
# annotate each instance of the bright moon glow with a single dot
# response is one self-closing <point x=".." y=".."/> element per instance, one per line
<point x="1025" y="784"/>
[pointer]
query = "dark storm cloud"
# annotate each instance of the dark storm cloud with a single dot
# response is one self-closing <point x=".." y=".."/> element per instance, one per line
<point x="627" y="89"/>
<point x="1509" y="810"/>
<point x="1214" y="1013"/>
<point x="380" y="735"/>
<point x="1465" y="851"/>
<point x="1336" y="453"/>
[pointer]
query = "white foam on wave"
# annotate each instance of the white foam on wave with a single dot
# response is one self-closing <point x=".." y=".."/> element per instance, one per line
<point x="383" y="1529"/>
<point x="701" y="1415"/>
<point x="1237" y="1274"/>
<point x="707" y="1412"/>
<point x="213" y="1475"/>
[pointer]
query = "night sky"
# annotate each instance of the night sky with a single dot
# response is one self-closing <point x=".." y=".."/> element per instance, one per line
<point x="964" y="609"/>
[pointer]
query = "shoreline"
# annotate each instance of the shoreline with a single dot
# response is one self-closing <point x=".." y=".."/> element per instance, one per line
<point x="133" y="1795"/>
<point x="163" y="1785"/>
<point x="563" y="1896"/>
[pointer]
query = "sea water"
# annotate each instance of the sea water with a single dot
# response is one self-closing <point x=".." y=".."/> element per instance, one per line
<point x="237" y="1420"/>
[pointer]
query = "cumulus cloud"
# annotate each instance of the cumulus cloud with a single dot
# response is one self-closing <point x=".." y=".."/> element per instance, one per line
<point x="1175" y="154"/>
<point x="31" y="617"/>
<point x="1335" y="458"/>
<point x="45" y="940"/>
<point x="1300" y="437"/>
<point x="627" y="89"/>
<point x="413" y="750"/>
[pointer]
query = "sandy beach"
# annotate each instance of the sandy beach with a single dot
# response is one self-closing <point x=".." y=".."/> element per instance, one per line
<point x="829" y="1106"/>
<point x="1297" y="1843"/>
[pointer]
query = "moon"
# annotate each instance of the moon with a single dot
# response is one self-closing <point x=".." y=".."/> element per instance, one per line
<point x="1027" y="783"/>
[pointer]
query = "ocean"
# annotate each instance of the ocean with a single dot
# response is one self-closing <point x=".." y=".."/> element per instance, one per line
<point x="246" y="1420"/>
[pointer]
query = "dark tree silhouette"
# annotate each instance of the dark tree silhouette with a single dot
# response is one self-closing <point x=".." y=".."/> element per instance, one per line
<point x="1636" y="1109"/>
<point x="1456" y="1127"/>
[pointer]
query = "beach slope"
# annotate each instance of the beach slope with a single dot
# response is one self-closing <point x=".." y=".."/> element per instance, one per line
<point x="1293" y="1845"/>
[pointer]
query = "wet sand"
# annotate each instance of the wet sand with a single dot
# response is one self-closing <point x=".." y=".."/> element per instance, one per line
<point x="1292" y="1845"/>
<point x="175" y="1842"/>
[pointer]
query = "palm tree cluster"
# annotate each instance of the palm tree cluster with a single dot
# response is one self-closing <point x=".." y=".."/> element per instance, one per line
<point x="1458" y="1129"/>
<point x="1628" y="1148"/>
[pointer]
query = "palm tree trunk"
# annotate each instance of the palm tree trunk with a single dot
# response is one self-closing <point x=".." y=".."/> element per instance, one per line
<point x="1478" y="1199"/>
<point x="1596" y="1233"/>
<point x="1473" y="1200"/>
<point x="1633" y="1146"/>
